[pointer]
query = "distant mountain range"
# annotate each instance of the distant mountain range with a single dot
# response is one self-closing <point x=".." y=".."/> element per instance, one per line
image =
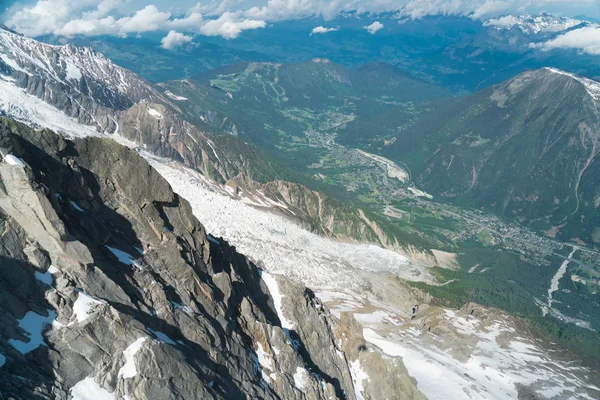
<point x="459" y="53"/>
<point x="255" y="101"/>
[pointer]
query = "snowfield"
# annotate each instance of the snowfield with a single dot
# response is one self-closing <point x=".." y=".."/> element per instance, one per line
<point x="279" y="244"/>
<point x="128" y="370"/>
<point x="480" y="359"/>
<point x="89" y="389"/>
<point x="17" y="104"/>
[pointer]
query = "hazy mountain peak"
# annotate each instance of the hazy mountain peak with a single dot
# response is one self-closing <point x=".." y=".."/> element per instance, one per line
<point x="534" y="24"/>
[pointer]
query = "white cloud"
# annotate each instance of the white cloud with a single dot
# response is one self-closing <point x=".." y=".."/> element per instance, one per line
<point x="322" y="29"/>
<point x="280" y="10"/>
<point x="174" y="40"/>
<point x="507" y="21"/>
<point x="44" y="16"/>
<point x="95" y="17"/>
<point x="585" y="39"/>
<point x="481" y="9"/>
<point x="229" y="18"/>
<point x="374" y="27"/>
<point x="230" y="25"/>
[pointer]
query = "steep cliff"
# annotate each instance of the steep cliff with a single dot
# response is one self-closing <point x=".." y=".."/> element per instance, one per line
<point x="112" y="289"/>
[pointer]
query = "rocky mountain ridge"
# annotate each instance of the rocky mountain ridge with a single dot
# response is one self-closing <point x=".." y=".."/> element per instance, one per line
<point x="121" y="290"/>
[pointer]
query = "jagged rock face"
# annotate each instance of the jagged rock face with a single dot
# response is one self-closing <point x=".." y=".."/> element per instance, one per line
<point x="112" y="287"/>
<point x="78" y="80"/>
<point x="86" y="85"/>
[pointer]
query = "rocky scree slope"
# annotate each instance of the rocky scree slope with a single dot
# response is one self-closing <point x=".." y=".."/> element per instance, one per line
<point x="112" y="289"/>
<point x="87" y="86"/>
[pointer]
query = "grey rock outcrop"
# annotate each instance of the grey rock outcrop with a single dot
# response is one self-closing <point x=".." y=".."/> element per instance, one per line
<point x="110" y="284"/>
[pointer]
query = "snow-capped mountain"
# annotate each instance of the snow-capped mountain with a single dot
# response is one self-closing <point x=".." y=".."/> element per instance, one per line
<point x="87" y="87"/>
<point x="535" y="24"/>
<point x="78" y="71"/>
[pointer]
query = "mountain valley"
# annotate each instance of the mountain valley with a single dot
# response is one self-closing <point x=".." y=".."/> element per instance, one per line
<point x="390" y="177"/>
<point x="300" y="229"/>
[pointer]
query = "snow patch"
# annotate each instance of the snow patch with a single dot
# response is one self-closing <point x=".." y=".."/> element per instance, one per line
<point x="162" y="337"/>
<point x="89" y="389"/>
<point x="174" y="96"/>
<point x="76" y="206"/>
<point x="156" y="114"/>
<point x="181" y="307"/>
<point x="301" y="378"/>
<point x="123" y="257"/>
<point x="273" y="287"/>
<point x="128" y="370"/>
<point x="213" y="149"/>
<point x="84" y="306"/>
<point x="374" y="318"/>
<point x="359" y="376"/>
<point x="264" y="358"/>
<point x="12" y="63"/>
<point x="2" y="360"/>
<point x="73" y="73"/>
<point x="12" y="160"/>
